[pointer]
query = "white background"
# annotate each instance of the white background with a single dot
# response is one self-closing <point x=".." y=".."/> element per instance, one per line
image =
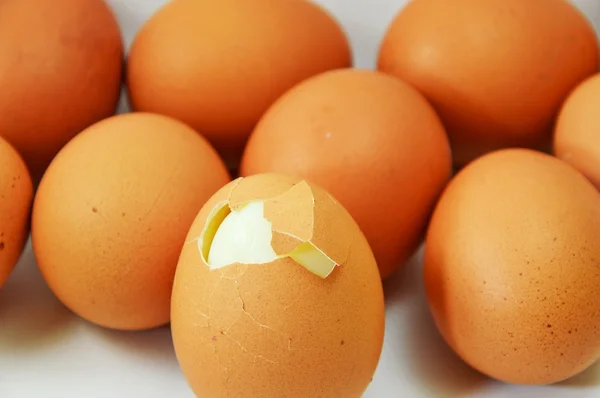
<point x="47" y="352"/>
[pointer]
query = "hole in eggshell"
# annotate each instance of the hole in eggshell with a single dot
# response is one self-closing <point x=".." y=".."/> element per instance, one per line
<point x="242" y="236"/>
<point x="245" y="236"/>
<point x="207" y="237"/>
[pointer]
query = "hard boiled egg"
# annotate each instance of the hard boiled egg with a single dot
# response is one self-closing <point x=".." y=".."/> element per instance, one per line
<point x="277" y="293"/>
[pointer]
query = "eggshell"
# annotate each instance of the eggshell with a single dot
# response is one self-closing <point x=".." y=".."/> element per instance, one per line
<point x="218" y="65"/>
<point x="60" y="71"/>
<point x="577" y="133"/>
<point x="276" y="329"/>
<point x="16" y="194"/>
<point x="312" y="210"/>
<point x="511" y="267"/>
<point x="497" y="71"/>
<point x="372" y="141"/>
<point x="111" y="215"/>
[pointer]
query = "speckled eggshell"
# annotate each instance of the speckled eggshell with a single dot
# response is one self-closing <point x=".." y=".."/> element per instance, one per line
<point x="577" y="132"/>
<point x="111" y="214"/>
<point x="512" y="267"/>
<point x="276" y="329"/>
<point x="16" y="194"/>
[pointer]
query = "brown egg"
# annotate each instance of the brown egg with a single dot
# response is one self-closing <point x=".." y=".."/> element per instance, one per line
<point x="60" y="71"/>
<point x="270" y="326"/>
<point x="577" y="133"/>
<point x="16" y="194"/>
<point x="111" y="215"/>
<point x="497" y="71"/>
<point x="512" y="267"/>
<point x="372" y="141"/>
<point x="218" y="65"/>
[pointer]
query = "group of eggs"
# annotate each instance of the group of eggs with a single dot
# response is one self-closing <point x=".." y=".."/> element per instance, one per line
<point x="138" y="222"/>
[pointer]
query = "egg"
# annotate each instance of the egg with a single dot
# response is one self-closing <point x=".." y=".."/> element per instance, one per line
<point x="371" y="140"/>
<point x="298" y="311"/>
<point x="218" y="65"/>
<point x="512" y="271"/>
<point x="577" y="133"/>
<point x="111" y="214"/>
<point x="60" y="71"/>
<point x="496" y="71"/>
<point x="16" y="194"/>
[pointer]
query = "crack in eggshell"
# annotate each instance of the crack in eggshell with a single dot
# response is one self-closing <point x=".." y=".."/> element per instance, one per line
<point x="243" y="191"/>
<point x="228" y="324"/>
<point x="289" y="232"/>
<point x="299" y="216"/>
<point x="223" y="367"/>
<point x="277" y="319"/>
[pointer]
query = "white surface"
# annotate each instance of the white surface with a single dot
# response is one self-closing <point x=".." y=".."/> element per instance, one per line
<point x="47" y="352"/>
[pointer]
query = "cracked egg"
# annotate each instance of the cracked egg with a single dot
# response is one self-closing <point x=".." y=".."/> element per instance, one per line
<point x="277" y="293"/>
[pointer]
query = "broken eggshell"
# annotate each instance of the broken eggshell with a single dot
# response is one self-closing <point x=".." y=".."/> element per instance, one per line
<point x="264" y="328"/>
<point x="271" y="233"/>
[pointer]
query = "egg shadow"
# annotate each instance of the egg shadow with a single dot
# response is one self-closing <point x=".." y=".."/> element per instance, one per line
<point x="394" y="287"/>
<point x="588" y="378"/>
<point x="432" y="363"/>
<point x="30" y="315"/>
<point x="124" y="101"/>
<point x="153" y="344"/>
